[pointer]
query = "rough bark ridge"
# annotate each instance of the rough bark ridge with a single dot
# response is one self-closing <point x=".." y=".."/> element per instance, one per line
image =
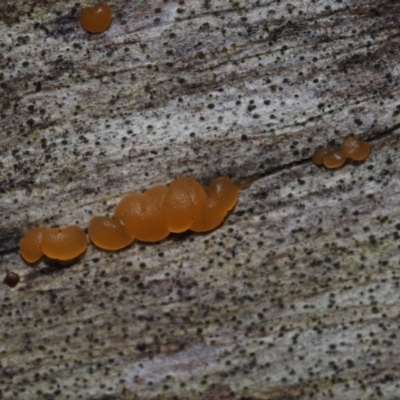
<point x="296" y="295"/>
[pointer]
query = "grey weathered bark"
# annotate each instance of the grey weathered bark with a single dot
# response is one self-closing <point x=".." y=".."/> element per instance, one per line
<point x="296" y="295"/>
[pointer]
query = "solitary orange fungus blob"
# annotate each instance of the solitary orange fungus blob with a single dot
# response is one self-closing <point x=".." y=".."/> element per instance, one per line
<point x="319" y="154"/>
<point x="334" y="159"/>
<point x="96" y="19"/>
<point x="108" y="234"/>
<point x="143" y="215"/>
<point x="355" y="149"/>
<point x="64" y="243"/>
<point x="184" y="203"/>
<point x="30" y="246"/>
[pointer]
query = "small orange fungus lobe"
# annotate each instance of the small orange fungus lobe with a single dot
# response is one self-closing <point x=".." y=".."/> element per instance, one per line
<point x="96" y="19"/>
<point x="355" y="149"/>
<point x="184" y="203"/>
<point x="30" y="246"/>
<point x="143" y="215"/>
<point x="225" y="191"/>
<point x="64" y="243"/>
<point x="213" y="213"/>
<point x="334" y="159"/>
<point x="319" y="154"/>
<point x="222" y="195"/>
<point x="108" y="234"/>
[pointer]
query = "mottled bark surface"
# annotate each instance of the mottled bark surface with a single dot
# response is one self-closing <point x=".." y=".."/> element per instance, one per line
<point x="296" y="295"/>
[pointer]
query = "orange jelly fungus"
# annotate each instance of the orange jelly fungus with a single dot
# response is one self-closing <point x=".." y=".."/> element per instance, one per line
<point x="224" y="191"/>
<point x="184" y="203"/>
<point x="153" y="215"/>
<point x="319" y="154"/>
<point x="143" y="215"/>
<point x="64" y="243"/>
<point x="212" y="215"/>
<point x="30" y="246"/>
<point x="222" y="195"/>
<point x="57" y="243"/>
<point x="352" y="148"/>
<point x="334" y="159"/>
<point x="108" y="234"/>
<point x="96" y="19"/>
<point x="355" y="149"/>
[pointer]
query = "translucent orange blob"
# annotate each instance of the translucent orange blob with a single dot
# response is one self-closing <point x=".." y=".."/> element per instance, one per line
<point x="108" y="234"/>
<point x="355" y="149"/>
<point x="143" y="215"/>
<point x="30" y="246"/>
<point x="96" y="19"/>
<point x="64" y="243"/>
<point x="363" y="152"/>
<point x="184" y="203"/>
<point x="212" y="215"/>
<point x="350" y="146"/>
<point x="319" y="154"/>
<point x="225" y="191"/>
<point x="222" y="195"/>
<point x="334" y="159"/>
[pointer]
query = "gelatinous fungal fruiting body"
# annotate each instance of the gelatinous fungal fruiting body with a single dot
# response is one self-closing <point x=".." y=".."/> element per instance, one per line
<point x="30" y="246"/>
<point x="153" y="215"/>
<point x="108" y="233"/>
<point x="96" y="19"/>
<point x="57" y="243"/>
<point x="64" y="243"/>
<point x="143" y="216"/>
<point x="148" y="217"/>
<point x="355" y="149"/>
<point x="334" y="159"/>
<point x="319" y="154"/>
<point x="11" y="279"/>
<point x="222" y="195"/>
<point x="183" y="204"/>
<point x="351" y="148"/>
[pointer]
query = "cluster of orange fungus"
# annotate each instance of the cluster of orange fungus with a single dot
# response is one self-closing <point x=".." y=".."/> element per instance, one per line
<point x="96" y="19"/>
<point x="153" y="215"/>
<point x="57" y="243"/>
<point x="351" y="148"/>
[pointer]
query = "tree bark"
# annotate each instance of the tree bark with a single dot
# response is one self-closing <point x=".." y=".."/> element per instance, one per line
<point x="296" y="295"/>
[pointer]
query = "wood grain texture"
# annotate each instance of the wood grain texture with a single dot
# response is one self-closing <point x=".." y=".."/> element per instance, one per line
<point x="296" y="295"/>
